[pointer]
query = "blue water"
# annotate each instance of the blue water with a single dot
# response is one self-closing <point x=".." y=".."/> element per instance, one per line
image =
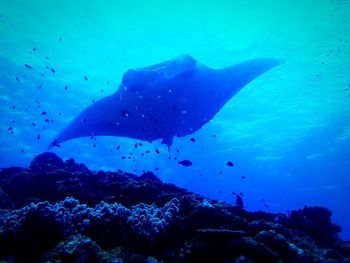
<point x="287" y="132"/>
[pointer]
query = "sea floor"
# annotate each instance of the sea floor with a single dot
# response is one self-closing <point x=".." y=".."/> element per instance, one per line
<point x="60" y="211"/>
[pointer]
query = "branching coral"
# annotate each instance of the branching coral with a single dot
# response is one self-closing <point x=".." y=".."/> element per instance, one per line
<point x="149" y="220"/>
<point x="73" y="217"/>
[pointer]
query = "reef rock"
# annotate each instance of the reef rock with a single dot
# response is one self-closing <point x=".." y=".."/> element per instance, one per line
<point x="59" y="211"/>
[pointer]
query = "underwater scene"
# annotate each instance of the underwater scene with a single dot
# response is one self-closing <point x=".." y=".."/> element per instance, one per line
<point x="175" y="131"/>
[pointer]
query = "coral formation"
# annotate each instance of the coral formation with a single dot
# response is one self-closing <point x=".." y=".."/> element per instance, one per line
<point x="59" y="211"/>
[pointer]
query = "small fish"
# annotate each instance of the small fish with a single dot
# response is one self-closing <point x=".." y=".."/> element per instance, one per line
<point x="43" y="113"/>
<point x="66" y="87"/>
<point x="229" y="163"/>
<point x="34" y="49"/>
<point x="10" y="128"/>
<point x="13" y="107"/>
<point x="148" y="151"/>
<point x="185" y="163"/>
<point x="123" y="157"/>
<point x="38" y="137"/>
<point x="53" y="70"/>
<point x="118" y="147"/>
<point x="28" y="66"/>
<point x="124" y="113"/>
<point x="157" y="151"/>
<point x="60" y="39"/>
<point x="193" y="139"/>
<point x="243" y="177"/>
<point x="239" y="201"/>
<point x="40" y="87"/>
<point x="85" y="77"/>
<point x="33" y="123"/>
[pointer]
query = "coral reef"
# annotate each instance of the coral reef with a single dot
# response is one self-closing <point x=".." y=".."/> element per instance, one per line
<point x="59" y="211"/>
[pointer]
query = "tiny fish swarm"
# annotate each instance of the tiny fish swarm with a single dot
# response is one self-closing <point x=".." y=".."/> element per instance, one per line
<point x="60" y="211"/>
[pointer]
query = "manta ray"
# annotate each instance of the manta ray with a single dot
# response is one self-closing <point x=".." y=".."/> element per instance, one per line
<point x="173" y="98"/>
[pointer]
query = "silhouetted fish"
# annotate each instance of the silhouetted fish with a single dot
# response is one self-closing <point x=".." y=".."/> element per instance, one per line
<point x="239" y="201"/>
<point x="185" y="163"/>
<point x="229" y="163"/>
